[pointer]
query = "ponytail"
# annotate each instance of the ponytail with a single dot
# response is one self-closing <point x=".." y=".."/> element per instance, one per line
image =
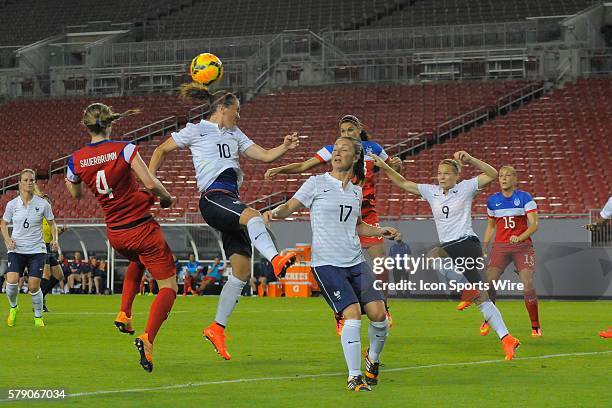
<point x="97" y="117"/>
<point x="194" y="90"/>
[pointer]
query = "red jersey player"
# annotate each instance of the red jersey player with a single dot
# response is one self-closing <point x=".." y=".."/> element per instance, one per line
<point x="514" y="214"/>
<point x="110" y="170"/>
<point x="351" y="126"/>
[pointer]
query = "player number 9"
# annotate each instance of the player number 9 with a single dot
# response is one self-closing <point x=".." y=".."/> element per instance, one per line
<point x="445" y="210"/>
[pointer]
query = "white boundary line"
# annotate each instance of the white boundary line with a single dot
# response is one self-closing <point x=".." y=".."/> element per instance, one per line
<point x="302" y="376"/>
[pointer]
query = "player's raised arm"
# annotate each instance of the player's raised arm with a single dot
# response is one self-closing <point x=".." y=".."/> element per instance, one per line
<point x="257" y="152"/>
<point x="160" y="153"/>
<point x="488" y="172"/>
<point x="395" y="177"/>
<point x="292" y="168"/>
<point x="151" y="182"/>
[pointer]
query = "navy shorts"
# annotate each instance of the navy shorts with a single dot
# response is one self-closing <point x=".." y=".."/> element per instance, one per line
<point x="467" y="247"/>
<point x="221" y="210"/>
<point x="343" y="286"/>
<point x="51" y="257"/>
<point x="34" y="262"/>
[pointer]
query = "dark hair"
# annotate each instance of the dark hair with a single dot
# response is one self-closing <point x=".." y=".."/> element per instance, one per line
<point x="356" y="122"/>
<point x="359" y="166"/>
<point x="215" y="100"/>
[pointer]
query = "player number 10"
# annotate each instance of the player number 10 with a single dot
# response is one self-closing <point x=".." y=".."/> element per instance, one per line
<point x="509" y="222"/>
<point x="102" y="184"/>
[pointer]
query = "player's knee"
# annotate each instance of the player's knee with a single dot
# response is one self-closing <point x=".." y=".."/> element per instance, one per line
<point x="352" y="312"/>
<point x="248" y="214"/>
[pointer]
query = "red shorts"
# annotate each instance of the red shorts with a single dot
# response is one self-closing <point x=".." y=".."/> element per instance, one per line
<point x="521" y="254"/>
<point x="369" y="216"/>
<point x="146" y="244"/>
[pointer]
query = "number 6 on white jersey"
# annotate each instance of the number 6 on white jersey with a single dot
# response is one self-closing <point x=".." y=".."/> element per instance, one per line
<point x="102" y="184"/>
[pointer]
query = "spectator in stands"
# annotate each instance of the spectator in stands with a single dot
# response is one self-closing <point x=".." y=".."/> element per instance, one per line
<point x="262" y="275"/>
<point x="99" y="275"/>
<point x="75" y="271"/>
<point x="193" y="270"/>
<point x="213" y="275"/>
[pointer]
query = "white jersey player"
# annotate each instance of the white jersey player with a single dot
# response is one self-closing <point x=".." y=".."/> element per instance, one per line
<point x="451" y="204"/>
<point x="216" y="145"/>
<point x="26" y="247"/>
<point x="346" y="281"/>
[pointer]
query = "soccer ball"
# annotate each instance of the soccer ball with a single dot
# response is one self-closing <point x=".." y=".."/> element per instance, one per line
<point x="206" y="69"/>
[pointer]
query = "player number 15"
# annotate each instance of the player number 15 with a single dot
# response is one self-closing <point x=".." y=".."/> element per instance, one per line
<point x="509" y="223"/>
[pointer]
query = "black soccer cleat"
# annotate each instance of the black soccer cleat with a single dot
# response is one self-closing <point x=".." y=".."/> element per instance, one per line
<point x="371" y="370"/>
<point x="357" y="384"/>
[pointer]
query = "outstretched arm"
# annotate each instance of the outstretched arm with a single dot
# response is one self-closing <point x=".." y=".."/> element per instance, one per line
<point x="395" y="177"/>
<point x="258" y="153"/>
<point x="159" y="155"/>
<point x="488" y="172"/>
<point x="367" y="230"/>
<point x="283" y="211"/>
<point x="151" y="182"/>
<point x="292" y="168"/>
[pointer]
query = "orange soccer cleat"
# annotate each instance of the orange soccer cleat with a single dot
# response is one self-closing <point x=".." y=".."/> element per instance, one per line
<point x="606" y="334"/>
<point x="467" y="297"/>
<point x="145" y="348"/>
<point x="216" y="335"/>
<point x="510" y="344"/>
<point x="339" y="323"/>
<point x="485" y="329"/>
<point x="280" y="263"/>
<point x="124" y="323"/>
<point x="536" y="332"/>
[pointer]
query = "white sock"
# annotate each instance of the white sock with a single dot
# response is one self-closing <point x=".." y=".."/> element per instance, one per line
<point x="377" y="332"/>
<point x="228" y="299"/>
<point x="450" y="273"/>
<point x="261" y="238"/>
<point x="37" y="302"/>
<point x="12" y="290"/>
<point x="493" y="316"/>
<point x="351" y="345"/>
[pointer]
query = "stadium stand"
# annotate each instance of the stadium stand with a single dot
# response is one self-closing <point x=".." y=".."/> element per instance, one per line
<point x="450" y="12"/>
<point x="29" y="123"/>
<point x="560" y="145"/>
<point x="578" y="117"/>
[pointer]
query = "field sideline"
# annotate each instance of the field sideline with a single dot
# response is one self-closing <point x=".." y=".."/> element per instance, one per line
<point x="285" y="352"/>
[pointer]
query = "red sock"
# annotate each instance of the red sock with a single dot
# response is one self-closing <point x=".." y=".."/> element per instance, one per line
<point x="531" y="303"/>
<point x="131" y="286"/>
<point x="160" y="309"/>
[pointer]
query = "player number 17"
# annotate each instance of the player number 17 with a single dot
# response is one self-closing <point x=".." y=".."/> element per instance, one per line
<point x="102" y="184"/>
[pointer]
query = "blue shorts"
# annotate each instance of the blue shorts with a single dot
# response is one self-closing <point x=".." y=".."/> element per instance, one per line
<point x="34" y="262"/>
<point x="343" y="286"/>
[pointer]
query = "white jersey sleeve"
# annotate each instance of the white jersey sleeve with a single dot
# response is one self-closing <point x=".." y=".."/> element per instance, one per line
<point x="427" y="191"/>
<point x="8" y="212"/>
<point x="243" y="141"/>
<point x="606" y="213"/>
<point x="471" y="185"/>
<point x="186" y="136"/>
<point x="306" y="193"/>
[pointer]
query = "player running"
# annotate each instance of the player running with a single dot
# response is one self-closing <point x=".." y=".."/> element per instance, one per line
<point x="111" y="170"/>
<point x="216" y="145"/>
<point x="26" y="247"/>
<point x="346" y="280"/>
<point x="451" y="206"/>
<point x="351" y="126"/>
<point x="515" y="216"/>
<point x="606" y="215"/>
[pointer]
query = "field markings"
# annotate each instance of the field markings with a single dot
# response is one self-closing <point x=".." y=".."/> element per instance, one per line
<point x="305" y="376"/>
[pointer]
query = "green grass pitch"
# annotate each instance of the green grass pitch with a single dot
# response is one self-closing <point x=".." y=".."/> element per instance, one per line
<point x="285" y="353"/>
